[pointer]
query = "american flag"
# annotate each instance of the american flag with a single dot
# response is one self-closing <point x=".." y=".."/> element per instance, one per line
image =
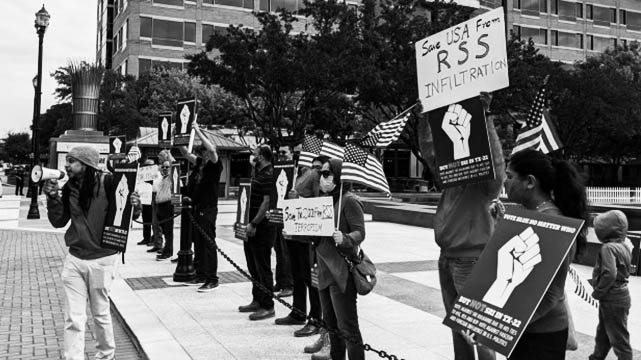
<point x="386" y="133"/>
<point x="313" y="147"/>
<point x="363" y="168"/>
<point x="538" y="132"/>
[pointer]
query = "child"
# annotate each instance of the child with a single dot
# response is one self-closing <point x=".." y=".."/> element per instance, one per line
<point x="610" y="283"/>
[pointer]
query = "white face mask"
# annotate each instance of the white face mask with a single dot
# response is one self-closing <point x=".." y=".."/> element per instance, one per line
<point x="252" y="160"/>
<point x="327" y="184"/>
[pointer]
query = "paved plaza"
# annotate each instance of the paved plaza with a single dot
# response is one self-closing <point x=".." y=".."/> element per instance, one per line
<point x="172" y="321"/>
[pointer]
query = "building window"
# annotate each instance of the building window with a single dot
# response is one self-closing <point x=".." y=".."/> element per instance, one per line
<point x="622" y="17"/>
<point x="624" y="43"/>
<point x="554" y="6"/>
<point x="516" y="4"/>
<point x="633" y="20"/>
<point x="247" y="4"/>
<point x="293" y="5"/>
<point x="124" y="33"/>
<point x="570" y="40"/>
<point x="579" y="10"/>
<point x="145" y="27"/>
<point x="210" y="30"/>
<point x="600" y="44"/>
<point x="539" y="36"/>
<point x="530" y="7"/>
<point x="604" y="16"/>
<point x="144" y="65"/>
<point x="169" y="2"/>
<point x="190" y="32"/>
<point x="567" y="10"/>
<point x="589" y="12"/>
<point x="167" y="33"/>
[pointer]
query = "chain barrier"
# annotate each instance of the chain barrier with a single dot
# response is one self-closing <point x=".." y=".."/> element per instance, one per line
<point x="580" y="289"/>
<point x="316" y="322"/>
<point x="158" y="222"/>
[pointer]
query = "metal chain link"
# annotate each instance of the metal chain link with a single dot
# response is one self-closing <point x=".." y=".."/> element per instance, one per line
<point x="316" y="322"/>
<point x="159" y="221"/>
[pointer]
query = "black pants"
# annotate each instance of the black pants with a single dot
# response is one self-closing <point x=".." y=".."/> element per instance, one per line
<point x="283" y="266"/>
<point x="541" y="346"/>
<point x="612" y="331"/>
<point x="339" y="311"/>
<point x="205" y="257"/>
<point x="147" y="217"/>
<point x="166" y="211"/>
<point x="258" y="252"/>
<point x="19" y="187"/>
<point x="300" y="256"/>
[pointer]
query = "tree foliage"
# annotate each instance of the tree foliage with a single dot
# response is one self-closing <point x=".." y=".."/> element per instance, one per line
<point x="17" y="145"/>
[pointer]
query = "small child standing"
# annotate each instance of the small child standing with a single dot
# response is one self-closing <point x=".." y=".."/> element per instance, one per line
<point x="610" y="283"/>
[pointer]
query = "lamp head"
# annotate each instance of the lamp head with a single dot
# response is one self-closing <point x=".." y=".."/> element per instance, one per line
<point x="42" y="19"/>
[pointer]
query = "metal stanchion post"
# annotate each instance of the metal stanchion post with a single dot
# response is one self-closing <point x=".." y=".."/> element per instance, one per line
<point x="185" y="269"/>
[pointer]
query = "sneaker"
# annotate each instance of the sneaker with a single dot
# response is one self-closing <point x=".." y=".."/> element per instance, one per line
<point x="325" y="352"/>
<point x="262" y="314"/>
<point x="174" y="259"/>
<point x="198" y="280"/>
<point x="289" y="320"/>
<point x="307" y="330"/>
<point x="162" y="257"/>
<point x="254" y="306"/>
<point x="287" y="292"/>
<point x="208" y="286"/>
<point x="318" y="344"/>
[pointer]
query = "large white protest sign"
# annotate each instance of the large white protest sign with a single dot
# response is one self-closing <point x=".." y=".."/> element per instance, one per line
<point x="148" y="173"/>
<point x="311" y="217"/>
<point x="462" y="61"/>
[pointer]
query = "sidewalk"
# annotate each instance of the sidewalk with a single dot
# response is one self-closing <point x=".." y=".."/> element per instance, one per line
<point x="403" y="316"/>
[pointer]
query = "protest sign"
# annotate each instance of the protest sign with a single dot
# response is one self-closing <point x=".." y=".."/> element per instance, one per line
<point x="511" y="277"/>
<point x="117" y="147"/>
<point x="148" y="173"/>
<point x="461" y="143"/>
<point x="119" y="212"/>
<point x="242" y="211"/>
<point x="164" y="129"/>
<point x="185" y="115"/>
<point x="310" y="216"/>
<point x="462" y="61"/>
<point x="283" y="181"/>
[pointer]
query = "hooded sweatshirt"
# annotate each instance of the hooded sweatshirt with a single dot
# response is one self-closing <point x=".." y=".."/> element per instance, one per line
<point x="612" y="268"/>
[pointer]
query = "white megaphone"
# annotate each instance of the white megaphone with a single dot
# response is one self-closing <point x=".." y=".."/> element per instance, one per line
<point x="40" y="173"/>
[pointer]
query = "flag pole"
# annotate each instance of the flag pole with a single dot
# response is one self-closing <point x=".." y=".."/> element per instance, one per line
<point x="340" y="205"/>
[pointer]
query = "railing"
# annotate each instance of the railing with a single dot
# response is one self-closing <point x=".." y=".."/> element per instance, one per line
<point x="608" y="195"/>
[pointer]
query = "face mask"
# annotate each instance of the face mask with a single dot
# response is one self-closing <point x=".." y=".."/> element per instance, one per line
<point x="252" y="160"/>
<point x="327" y="184"/>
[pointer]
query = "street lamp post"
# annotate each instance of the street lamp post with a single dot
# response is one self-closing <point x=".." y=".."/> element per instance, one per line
<point x="41" y="23"/>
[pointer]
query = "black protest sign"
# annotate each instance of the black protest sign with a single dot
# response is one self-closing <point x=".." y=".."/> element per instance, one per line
<point x="511" y="277"/>
<point x="176" y="197"/>
<point x="283" y="183"/>
<point x="242" y="211"/>
<point x="185" y="115"/>
<point x="164" y="129"/>
<point x="117" y="147"/>
<point x="461" y="143"/>
<point x="120" y="210"/>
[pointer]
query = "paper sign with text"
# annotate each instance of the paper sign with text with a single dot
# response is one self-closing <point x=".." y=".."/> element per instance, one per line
<point x="461" y="143"/>
<point x="462" y="61"/>
<point x="511" y="277"/>
<point x="148" y="173"/>
<point x="310" y="216"/>
<point x="120" y="210"/>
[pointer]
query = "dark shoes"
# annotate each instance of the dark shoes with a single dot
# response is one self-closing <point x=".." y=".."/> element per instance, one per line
<point x="286" y="292"/>
<point x="198" y="280"/>
<point x="254" y="306"/>
<point x="174" y="259"/>
<point x="208" y="286"/>
<point x="289" y="320"/>
<point x="144" y="242"/>
<point x="262" y="314"/>
<point x="162" y="257"/>
<point x="307" y="330"/>
<point x="155" y="249"/>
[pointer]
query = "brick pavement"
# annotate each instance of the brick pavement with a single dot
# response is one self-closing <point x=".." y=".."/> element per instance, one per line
<point x="32" y="300"/>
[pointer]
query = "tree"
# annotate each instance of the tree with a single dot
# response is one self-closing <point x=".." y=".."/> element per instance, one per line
<point x="53" y="123"/>
<point x="18" y="147"/>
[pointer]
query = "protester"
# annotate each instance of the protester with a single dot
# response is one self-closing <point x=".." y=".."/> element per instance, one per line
<point x="19" y="181"/>
<point x="260" y="234"/>
<point x="88" y="269"/>
<point x="301" y="259"/>
<point x="163" y="205"/>
<point x="203" y="190"/>
<point x="335" y="283"/>
<point x="462" y="227"/>
<point x="610" y="283"/>
<point x="146" y="214"/>
<point x="284" y="282"/>
<point x="541" y="183"/>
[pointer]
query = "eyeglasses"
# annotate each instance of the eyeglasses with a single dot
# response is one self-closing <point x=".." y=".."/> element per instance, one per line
<point x="283" y="152"/>
<point x="317" y="167"/>
<point x="165" y="167"/>
<point x="326" y="173"/>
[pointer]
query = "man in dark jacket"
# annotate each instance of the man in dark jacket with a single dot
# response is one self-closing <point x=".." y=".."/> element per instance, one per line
<point x="88" y="269"/>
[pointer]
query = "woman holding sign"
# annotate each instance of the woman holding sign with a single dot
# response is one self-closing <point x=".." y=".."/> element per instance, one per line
<point x="335" y="284"/>
<point x="541" y="183"/>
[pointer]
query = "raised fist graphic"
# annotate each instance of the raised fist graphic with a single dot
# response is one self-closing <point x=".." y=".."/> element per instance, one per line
<point x="456" y="124"/>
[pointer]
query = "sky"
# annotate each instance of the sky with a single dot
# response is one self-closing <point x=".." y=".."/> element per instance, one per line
<point x="71" y="35"/>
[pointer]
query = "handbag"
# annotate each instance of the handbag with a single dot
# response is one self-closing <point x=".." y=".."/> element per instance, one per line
<point x="363" y="272"/>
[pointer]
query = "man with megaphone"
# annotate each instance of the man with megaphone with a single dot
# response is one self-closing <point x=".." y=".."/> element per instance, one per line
<point x="88" y="269"/>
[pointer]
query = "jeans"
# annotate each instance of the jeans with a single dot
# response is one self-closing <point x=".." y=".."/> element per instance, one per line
<point x="541" y="346"/>
<point x="339" y="312"/>
<point x="300" y="256"/>
<point x="453" y="273"/>
<point x="258" y="252"/>
<point x="205" y="258"/>
<point x="283" y="265"/>
<point x="147" y="217"/>
<point x="166" y="211"/>
<point x="156" y="236"/>
<point x="88" y="280"/>
<point x="612" y="331"/>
